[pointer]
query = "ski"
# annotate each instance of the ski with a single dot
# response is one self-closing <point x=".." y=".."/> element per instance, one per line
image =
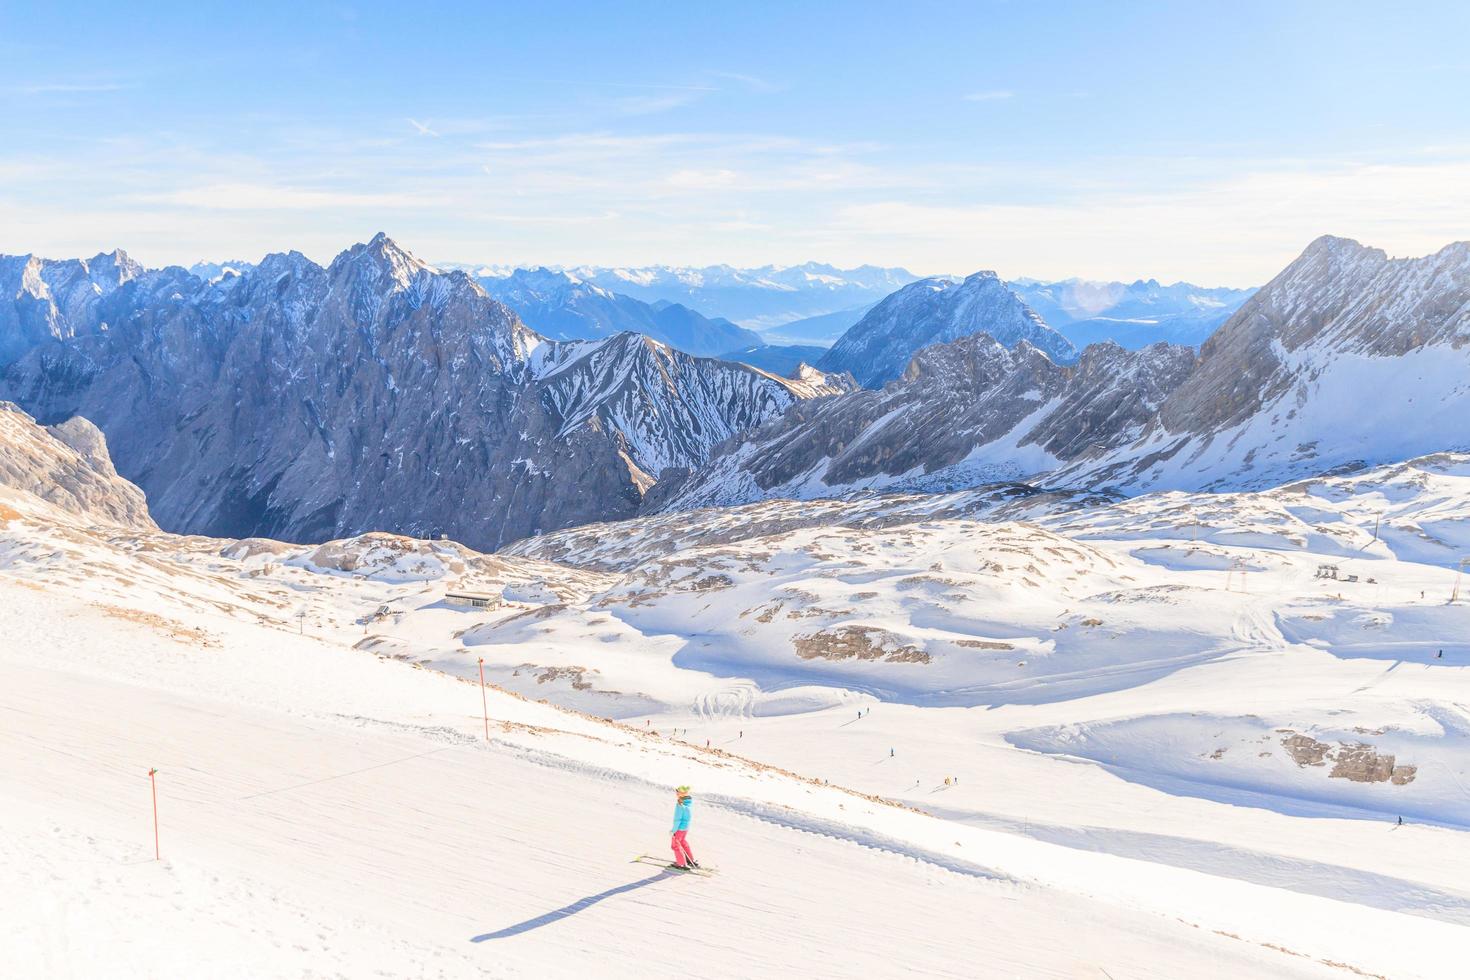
<point x="668" y="866"/>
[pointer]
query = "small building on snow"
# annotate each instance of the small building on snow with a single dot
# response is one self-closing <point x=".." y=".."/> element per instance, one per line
<point x="479" y="600"/>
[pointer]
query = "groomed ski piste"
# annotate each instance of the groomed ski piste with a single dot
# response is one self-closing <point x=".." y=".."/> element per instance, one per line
<point x="330" y="802"/>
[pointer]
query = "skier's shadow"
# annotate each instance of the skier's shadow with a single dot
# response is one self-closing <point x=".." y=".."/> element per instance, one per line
<point x="568" y="910"/>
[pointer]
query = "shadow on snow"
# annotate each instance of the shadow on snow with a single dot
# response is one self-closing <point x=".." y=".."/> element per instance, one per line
<point x="579" y="905"/>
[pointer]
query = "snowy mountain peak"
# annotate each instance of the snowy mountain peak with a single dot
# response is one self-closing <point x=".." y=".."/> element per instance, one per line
<point x="381" y="259"/>
<point x="937" y="310"/>
<point x="111" y="269"/>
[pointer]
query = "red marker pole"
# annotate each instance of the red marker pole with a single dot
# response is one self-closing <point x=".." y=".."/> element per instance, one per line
<point x="153" y="785"/>
<point x="484" y="705"/>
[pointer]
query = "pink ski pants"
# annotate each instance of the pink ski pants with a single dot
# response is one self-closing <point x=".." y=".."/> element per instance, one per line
<point x="682" y="854"/>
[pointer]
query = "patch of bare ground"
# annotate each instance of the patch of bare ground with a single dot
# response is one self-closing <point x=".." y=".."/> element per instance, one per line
<point x="545" y="675"/>
<point x="916" y="581"/>
<point x="812" y="612"/>
<point x="858" y="643"/>
<point x="1359" y="762"/>
<point x="984" y="644"/>
<point x="172" y="629"/>
<point x="709" y="583"/>
<point x="8" y="514"/>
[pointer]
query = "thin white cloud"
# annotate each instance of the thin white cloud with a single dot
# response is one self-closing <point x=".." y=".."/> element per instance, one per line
<point x="271" y="197"/>
<point x="991" y="95"/>
<point x="422" y="128"/>
<point x="1238" y="230"/>
<point x="68" y="88"/>
<point x="646" y="105"/>
<point x="752" y="83"/>
<point x="702" y="179"/>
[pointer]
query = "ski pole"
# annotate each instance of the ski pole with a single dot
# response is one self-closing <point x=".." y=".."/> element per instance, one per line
<point x="484" y="704"/>
<point x="153" y="785"/>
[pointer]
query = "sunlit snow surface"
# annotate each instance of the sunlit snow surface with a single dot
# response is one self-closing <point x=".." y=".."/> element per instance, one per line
<point x="1154" y="713"/>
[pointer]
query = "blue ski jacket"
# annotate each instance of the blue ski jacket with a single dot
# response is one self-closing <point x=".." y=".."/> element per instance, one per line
<point x="681" y="815"/>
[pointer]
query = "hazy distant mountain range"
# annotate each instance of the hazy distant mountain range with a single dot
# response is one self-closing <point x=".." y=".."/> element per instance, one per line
<point x="1132" y="314"/>
<point x="560" y="307"/>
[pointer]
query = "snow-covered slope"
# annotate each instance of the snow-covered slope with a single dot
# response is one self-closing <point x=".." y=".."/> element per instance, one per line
<point x="377" y="393"/>
<point x="1347" y="358"/>
<point x="331" y="810"/>
<point x="935" y="311"/>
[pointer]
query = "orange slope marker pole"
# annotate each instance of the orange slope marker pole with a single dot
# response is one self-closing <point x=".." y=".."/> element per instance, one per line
<point x="153" y="785"/>
<point x="484" y="704"/>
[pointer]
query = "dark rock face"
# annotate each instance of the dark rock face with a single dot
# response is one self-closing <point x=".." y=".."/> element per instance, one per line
<point x="308" y="403"/>
<point x="936" y="311"/>
<point x="963" y="413"/>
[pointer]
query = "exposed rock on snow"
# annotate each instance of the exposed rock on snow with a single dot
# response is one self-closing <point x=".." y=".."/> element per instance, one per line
<point x="1359" y="761"/>
<point x="857" y="642"/>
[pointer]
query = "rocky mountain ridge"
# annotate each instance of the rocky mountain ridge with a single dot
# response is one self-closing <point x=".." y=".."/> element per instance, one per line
<point x="1346" y="359"/>
<point x="307" y="403"/>
<point x="967" y="413"/>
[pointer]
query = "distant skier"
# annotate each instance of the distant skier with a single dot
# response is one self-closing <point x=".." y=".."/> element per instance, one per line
<point x="683" y="859"/>
<point x="1401" y="821"/>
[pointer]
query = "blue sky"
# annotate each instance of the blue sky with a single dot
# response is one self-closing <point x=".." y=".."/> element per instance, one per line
<point x="1201" y="141"/>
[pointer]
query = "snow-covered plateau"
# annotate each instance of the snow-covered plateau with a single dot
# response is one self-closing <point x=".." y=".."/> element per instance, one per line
<point x="991" y="733"/>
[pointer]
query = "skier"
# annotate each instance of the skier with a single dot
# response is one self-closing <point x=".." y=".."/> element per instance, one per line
<point x="683" y="859"/>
